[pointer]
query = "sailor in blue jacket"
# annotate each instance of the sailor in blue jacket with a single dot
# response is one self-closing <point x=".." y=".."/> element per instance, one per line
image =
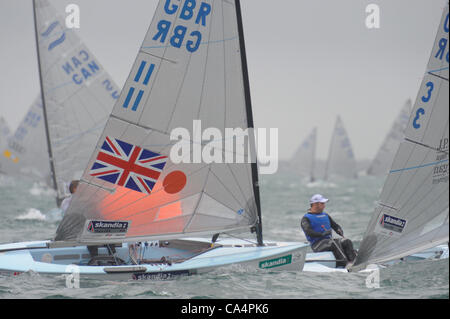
<point x="318" y="226"/>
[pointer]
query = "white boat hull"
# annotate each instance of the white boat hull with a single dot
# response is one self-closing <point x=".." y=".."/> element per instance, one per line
<point x="36" y="257"/>
<point x="326" y="262"/>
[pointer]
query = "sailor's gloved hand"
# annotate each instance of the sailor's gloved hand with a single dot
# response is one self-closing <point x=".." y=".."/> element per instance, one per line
<point x="326" y="233"/>
<point x="340" y="232"/>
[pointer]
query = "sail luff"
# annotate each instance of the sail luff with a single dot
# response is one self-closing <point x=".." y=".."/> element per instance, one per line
<point x="44" y="109"/>
<point x="250" y="123"/>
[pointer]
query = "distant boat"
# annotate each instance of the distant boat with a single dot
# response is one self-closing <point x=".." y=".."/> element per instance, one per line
<point x="139" y="208"/>
<point x="303" y="160"/>
<point x="341" y="159"/>
<point x="79" y="95"/>
<point x="25" y="152"/>
<point x="385" y="155"/>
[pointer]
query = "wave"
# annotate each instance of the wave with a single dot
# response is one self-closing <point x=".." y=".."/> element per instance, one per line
<point x="32" y="214"/>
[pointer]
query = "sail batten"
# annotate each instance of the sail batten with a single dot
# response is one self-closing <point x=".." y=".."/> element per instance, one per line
<point x="170" y="178"/>
<point x="418" y="183"/>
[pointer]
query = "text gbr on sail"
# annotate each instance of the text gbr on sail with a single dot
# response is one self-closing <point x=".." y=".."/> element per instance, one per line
<point x="189" y="10"/>
<point x="443" y="43"/>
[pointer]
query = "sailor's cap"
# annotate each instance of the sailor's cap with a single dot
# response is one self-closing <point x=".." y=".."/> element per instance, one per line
<point x="317" y="198"/>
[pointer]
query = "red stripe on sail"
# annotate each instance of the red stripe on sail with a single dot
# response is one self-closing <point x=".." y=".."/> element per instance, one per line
<point x="112" y="146"/>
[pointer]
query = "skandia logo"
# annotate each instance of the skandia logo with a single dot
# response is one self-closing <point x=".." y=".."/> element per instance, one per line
<point x="107" y="227"/>
<point x="393" y="223"/>
<point x="285" y="260"/>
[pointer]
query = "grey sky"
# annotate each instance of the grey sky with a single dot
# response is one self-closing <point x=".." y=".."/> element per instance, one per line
<point x="309" y="60"/>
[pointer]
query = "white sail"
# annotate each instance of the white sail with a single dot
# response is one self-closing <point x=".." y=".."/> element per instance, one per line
<point x="412" y="214"/>
<point x="5" y="131"/>
<point x="191" y="66"/>
<point x="26" y="150"/>
<point x="385" y="155"/>
<point x="341" y="159"/>
<point x="304" y="157"/>
<point x="78" y="95"/>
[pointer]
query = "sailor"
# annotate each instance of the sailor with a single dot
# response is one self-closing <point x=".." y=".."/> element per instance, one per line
<point x="72" y="188"/>
<point x="317" y="226"/>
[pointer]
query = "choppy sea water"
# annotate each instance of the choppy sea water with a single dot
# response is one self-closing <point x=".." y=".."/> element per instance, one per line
<point x="28" y="212"/>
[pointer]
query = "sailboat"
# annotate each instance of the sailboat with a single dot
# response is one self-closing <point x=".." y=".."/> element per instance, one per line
<point x="411" y="220"/>
<point x="303" y="159"/>
<point x="25" y="152"/>
<point x="54" y="141"/>
<point x="341" y="159"/>
<point x="139" y="220"/>
<point x="413" y="210"/>
<point x="383" y="159"/>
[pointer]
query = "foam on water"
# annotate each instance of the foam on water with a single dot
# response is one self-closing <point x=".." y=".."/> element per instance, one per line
<point x="32" y="214"/>
<point x="39" y="190"/>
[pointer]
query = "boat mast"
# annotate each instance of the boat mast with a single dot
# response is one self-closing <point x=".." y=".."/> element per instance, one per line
<point x="312" y="178"/>
<point x="330" y="150"/>
<point x="44" y="109"/>
<point x="250" y="124"/>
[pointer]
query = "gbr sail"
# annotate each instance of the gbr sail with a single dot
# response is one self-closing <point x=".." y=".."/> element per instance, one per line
<point x="191" y="67"/>
<point x="413" y="210"/>
<point x="341" y="159"/>
<point x="78" y="96"/>
<point x="385" y="155"/>
<point x="304" y="157"/>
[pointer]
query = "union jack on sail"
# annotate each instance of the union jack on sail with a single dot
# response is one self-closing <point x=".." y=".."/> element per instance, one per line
<point x="128" y="165"/>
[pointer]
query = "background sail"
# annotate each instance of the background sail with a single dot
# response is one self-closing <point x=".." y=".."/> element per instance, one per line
<point x="5" y="131"/>
<point x="412" y="213"/>
<point x="188" y="68"/>
<point x="25" y="152"/>
<point x="79" y="95"/>
<point x="341" y="159"/>
<point x="385" y="155"/>
<point x="4" y="134"/>
<point x="303" y="160"/>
